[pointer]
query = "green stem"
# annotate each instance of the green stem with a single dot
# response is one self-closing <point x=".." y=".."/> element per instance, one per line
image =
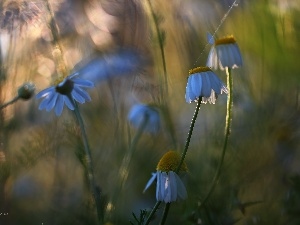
<point x="9" y="102"/>
<point x="188" y="139"/>
<point x="179" y="165"/>
<point x="165" y="214"/>
<point x="227" y="133"/>
<point x="152" y="212"/>
<point x="89" y="165"/>
<point x="127" y="159"/>
<point x="161" y="46"/>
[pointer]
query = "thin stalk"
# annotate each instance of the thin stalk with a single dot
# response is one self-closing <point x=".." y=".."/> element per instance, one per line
<point x="165" y="214"/>
<point x="89" y="165"/>
<point x="62" y="70"/>
<point x="188" y="139"/>
<point x="152" y="212"/>
<point x="9" y="102"/>
<point x="161" y="47"/>
<point x="227" y="133"/>
<point x="128" y="157"/>
<point x="179" y="165"/>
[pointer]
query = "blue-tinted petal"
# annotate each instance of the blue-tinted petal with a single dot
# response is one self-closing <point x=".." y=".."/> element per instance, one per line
<point x="196" y="84"/>
<point x="188" y="91"/>
<point x="83" y="93"/>
<point x="210" y="57"/>
<point x="216" y="83"/>
<point x="181" y="190"/>
<point x="68" y="102"/>
<point x="154" y="175"/>
<point x="172" y="187"/>
<point x="160" y="185"/>
<point x="83" y="83"/>
<point x="45" y="92"/>
<point x="59" y="105"/>
<point x="77" y="97"/>
<point x="206" y="86"/>
<point x="45" y="102"/>
<point x="52" y="102"/>
<point x="210" y="38"/>
<point x="237" y="56"/>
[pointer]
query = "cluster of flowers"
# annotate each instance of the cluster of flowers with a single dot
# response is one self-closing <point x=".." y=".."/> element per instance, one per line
<point x="202" y="85"/>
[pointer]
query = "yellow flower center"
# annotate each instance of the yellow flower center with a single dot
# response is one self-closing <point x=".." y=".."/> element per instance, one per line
<point x="199" y="70"/>
<point x="170" y="162"/>
<point x="225" y="40"/>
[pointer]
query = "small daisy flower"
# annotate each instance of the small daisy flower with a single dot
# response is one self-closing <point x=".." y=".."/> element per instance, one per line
<point x="224" y="53"/>
<point x="169" y="187"/>
<point x="65" y="92"/>
<point x="141" y="113"/>
<point x="203" y="83"/>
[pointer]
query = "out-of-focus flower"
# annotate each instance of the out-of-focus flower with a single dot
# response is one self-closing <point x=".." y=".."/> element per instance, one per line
<point x="224" y="53"/>
<point x="203" y="83"/>
<point x="116" y="64"/>
<point x="65" y="92"/>
<point x="26" y="91"/>
<point x="145" y="115"/>
<point x="18" y="13"/>
<point x="169" y="187"/>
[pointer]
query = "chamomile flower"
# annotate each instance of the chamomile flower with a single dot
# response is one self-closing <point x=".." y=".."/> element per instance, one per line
<point x="224" y="53"/>
<point x="65" y="92"/>
<point x="203" y="84"/>
<point x="169" y="187"/>
<point x="147" y="114"/>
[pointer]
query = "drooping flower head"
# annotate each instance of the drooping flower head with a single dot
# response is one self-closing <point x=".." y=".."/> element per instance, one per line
<point x="169" y="187"/>
<point x="145" y="115"/>
<point x="224" y="53"/>
<point x="65" y="91"/>
<point x="203" y="84"/>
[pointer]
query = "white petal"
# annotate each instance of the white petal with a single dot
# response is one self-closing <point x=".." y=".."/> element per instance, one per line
<point x="210" y="57"/>
<point x="181" y="190"/>
<point x="160" y="186"/>
<point x="154" y="175"/>
<point x="172" y="187"/>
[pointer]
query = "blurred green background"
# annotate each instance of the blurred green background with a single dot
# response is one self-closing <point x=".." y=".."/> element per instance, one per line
<point x="42" y="177"/>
